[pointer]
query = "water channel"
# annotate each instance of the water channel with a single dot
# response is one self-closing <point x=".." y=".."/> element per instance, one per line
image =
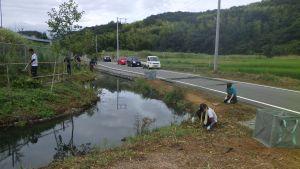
<point x="119" y="114"/>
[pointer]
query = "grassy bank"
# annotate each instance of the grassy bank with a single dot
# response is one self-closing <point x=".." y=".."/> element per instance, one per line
<point x="29" y="100"/>
<point x="188" y="145"/>
<point x="276" y="71"/>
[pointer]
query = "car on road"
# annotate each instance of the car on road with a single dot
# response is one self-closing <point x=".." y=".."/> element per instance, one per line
<point x="152" y="62"/>
<point x="106" y="59"/>
<point x="133" y="62"/>
<point x="122" y="61"/>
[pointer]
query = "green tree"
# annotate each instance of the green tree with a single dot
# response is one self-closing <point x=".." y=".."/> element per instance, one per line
<point x="63" y="20"/>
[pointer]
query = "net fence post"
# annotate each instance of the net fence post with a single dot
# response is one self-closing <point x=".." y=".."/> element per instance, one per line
<point x="8" y="83"/>
<point x="53" y="76"/>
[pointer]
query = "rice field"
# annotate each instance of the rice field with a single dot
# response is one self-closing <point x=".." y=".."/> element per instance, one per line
<point x="284" y="66"/>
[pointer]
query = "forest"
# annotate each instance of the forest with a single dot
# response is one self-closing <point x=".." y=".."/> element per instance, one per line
<point x="270" y="27"/>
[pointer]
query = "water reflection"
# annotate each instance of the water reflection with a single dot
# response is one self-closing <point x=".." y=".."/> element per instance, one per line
<point x="119" y="113"/>
<point x="66" y="149"/>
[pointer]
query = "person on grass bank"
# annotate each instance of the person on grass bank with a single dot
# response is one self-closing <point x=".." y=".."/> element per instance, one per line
<point x="231" y="97"/>
<point x="78" y="61"/>
<point x="208" y="116"/>
<point x="33" y="62"/>
<point x="68" y="61"/>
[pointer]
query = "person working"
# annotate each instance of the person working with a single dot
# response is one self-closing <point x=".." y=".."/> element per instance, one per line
<point x="208" y="116"/>
<point x="231" y="97"/>
<point x="92" y="64"/>
<point x="78" y="61"/>
<point x="68" y="61"/>
<point x="33" y="62"/>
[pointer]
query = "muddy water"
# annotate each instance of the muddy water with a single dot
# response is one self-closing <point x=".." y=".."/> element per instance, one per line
<point x="119" y="113"/>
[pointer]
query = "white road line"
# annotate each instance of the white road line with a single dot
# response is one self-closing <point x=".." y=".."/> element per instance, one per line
<point x="218" y="91"/>
<point x="234" y="81"/>
<point x="244" y="98"/>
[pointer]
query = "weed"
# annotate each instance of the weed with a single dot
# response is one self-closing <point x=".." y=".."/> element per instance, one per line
<point x="143" y="87"/>
<point x="173" y="96"/>
<point x="30" y="100"/>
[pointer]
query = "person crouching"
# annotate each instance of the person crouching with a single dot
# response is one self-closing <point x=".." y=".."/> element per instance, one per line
<point x="231" y="97"/>
<point x="208" y="116"/>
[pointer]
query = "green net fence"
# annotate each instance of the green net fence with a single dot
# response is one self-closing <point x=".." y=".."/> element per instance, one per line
<point x="15" y="57"/>
<point x="276" y="128"/>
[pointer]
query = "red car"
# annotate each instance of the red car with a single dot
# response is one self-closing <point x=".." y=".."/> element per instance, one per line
<point x="122" y="61"/>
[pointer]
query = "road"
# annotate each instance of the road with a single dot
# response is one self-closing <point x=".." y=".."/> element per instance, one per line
<point x="260" y="95"/>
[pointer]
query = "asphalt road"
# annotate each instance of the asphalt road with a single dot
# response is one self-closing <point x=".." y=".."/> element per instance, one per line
<point x="260" y="95"/>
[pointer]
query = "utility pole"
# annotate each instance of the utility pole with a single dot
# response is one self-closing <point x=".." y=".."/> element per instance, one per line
<point x="118" y="39"/>
<point x="1" y="12"/>
<point x="118" y="44"/>
<point x="217" y="38"/>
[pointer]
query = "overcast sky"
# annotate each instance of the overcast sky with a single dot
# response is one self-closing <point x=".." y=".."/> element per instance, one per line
<point x="32" y="14"/>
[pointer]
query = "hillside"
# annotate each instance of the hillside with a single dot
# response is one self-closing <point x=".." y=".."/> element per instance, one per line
<point x="270" y="27"/>
<point x="7" y="36"/>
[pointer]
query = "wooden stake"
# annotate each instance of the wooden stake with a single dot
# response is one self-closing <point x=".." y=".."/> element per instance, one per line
<point x="53" y="76"/>
<point x="7" y="75"/>
<point x="8" y="84"/>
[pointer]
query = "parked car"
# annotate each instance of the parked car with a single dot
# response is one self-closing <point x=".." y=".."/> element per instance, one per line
<point x="122" y="61"/>
<point x="133" y="62"/>
<point x="152" y="62"/>
<point x="106" y="59"/>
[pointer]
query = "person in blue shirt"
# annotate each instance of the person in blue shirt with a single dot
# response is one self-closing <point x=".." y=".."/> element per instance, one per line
<point x="231" y="97"/>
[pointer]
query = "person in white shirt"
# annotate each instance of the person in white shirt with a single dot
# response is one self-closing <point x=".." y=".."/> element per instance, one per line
<point x="212" y="118"/>
<point x="33" y="62"/>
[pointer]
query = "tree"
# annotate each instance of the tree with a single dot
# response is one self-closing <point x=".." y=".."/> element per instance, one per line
<point x="63" y="20"/>
<point x="269" y="27"/>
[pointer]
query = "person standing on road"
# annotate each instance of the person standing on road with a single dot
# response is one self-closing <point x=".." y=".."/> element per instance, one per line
<point x="33" y="62"/>
<point x="231" y="97"/>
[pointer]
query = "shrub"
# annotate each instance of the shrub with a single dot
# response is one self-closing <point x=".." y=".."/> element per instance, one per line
<point x="26" y="82"/>
<point x="173" y="96"/>
<point x="144" y="88"/>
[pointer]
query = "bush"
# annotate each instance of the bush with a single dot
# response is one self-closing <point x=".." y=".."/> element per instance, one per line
<point x="11" y="37"/>
<point x="144" y="88"/>
<point x="26" y="82"/>
<point x="173" y="96"/>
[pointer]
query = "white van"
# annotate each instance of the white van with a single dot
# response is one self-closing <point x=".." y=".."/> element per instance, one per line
<point x="152" y="62"/>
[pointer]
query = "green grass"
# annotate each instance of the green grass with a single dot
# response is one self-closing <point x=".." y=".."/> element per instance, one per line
<point x="173" y="132"/>
<point x="28" y="99"/>
<point x="252" y="68"/>
<point x="131" y="149"/>
<point x="279" y="66"/>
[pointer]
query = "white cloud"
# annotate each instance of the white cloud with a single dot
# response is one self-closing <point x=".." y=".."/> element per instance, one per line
<point x="32" y="14"/>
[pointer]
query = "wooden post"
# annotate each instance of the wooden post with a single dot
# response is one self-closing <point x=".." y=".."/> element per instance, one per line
<point x="8" y="83"/>
<point x="53" y="77"/>
<point x="58" y="76"/>
<point x="7" y="75"/>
